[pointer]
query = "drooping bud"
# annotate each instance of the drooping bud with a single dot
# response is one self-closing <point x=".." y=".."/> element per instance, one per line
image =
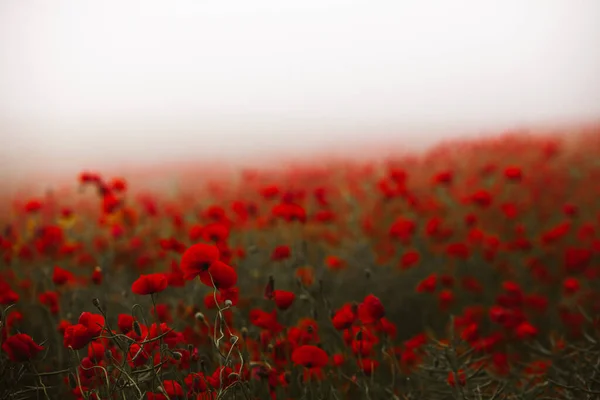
<point x="137" y="328"/>
<point x="270" y="288"/>
<point x="72" y="381"/>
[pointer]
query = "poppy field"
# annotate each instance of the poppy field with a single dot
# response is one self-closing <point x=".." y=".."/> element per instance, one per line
<point x="468" y="271"/>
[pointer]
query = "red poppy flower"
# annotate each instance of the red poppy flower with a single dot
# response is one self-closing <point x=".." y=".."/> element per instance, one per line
<point x="93" y="322"/>
<point x="96" y="351"/>
<point x="77" y="336"/>
<point x="197" y="259"/>
<point x="149" y="284"/>
<point x="344" y="317"/>
<point x="265" y="320"/>
<point x="283" y="299"/>
<point x="409" y="259"/>
<point x="125" y="323"/>
<point x="97" y="276"/>
<point x="173" y="389"/>
<point x="428" y="284"/>
<point x="513" y="173"/>
<point x="526" y="330"/>
<point x="62" y="276"/>
<point x="281" y="253"/>
<point x="7" y="295"/>
<point x="310" y="356"/>
<point x="222" y="275"/>
<point x="370" y="310"/>
<point x="21" y="347"/>
<point x="50" y="299"/>
<point x="571" y="285"/>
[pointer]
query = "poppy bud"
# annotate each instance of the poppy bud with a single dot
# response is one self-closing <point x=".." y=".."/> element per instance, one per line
<point x="270" y="288"/>
<point x="96" y="302"/>
<point x="108" y="353"/>
<point x="367" y="273"/>
<point x="199" y="316"/>
<point x="72" y="381"/>
<point x="137" y="328"/>
<point x="228" y="303"/>
<point x="176" y="355"/>
<point x="244" y="333"/>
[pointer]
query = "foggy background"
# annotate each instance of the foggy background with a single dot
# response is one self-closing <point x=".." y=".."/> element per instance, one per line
<point x="105" y="84"/>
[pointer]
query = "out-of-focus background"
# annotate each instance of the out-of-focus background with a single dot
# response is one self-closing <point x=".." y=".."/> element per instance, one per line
<point x="122" y="83"/>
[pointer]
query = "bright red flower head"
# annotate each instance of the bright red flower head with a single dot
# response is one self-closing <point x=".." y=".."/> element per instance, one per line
<point x="62" y="276"/>
<point x="220" y="274"/>
<point x="370" y="310"/>
<point x="283" y="299"/>
<point x="197" y="259"/>
<point x="21" y="347"/>
<point x="513" y="173"/>
<point x="310" y="356"/>
<point x="281" y="253"/>
<point x="149" y="284"/>
<point x="77" y="336"/>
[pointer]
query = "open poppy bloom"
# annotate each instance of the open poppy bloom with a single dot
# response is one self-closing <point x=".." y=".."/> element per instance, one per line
<point x="149" y="284"/>
<point x="197" y="259"/>
<point x="219" y="275"/>
<point x="21" y="347"/>
<point x="310" y="356"/>
<point x="62" y="276"/>
<point x="283" y="299"/>
<point x="370" y="310"/>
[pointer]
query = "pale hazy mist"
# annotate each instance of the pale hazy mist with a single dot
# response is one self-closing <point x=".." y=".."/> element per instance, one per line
<point x="104" y="83"/>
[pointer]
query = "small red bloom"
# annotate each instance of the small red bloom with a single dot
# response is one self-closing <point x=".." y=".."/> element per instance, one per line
<point x="97" y="276"/>
<point x="410" y="259"/>
<point x="220" y="275"/>
<point x="428" y="284"/>
<point x="370" y="310"/>
<point x="513" y="173"/>
<point x="281" y="253"/>
<point x="344" y="317"/>
<point x="197" y="259"/>
<point x="62" y="276"/>
<point x="310" y="356"/>
<point x="77" y="336"/>
<point x="50" y="299"/>
<point x="571" y="286"/>
<point x="149" y="284"/>
<point x="283" y="299"/>
<point x="526" y="330"/>
<point x="21" y="347"/>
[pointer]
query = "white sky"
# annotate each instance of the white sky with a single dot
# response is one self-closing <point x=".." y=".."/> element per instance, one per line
<point x="86" y="83"/>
